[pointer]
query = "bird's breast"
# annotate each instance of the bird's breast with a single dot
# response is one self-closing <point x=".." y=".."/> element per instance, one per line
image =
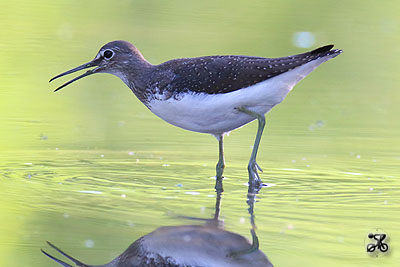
<point x="208" y="113"/>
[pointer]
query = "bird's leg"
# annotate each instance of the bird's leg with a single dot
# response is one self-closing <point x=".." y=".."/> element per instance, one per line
<point x="220" y="165"/>
<point x="254" y="178"/>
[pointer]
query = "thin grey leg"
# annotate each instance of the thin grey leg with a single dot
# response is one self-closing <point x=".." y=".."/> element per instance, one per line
<point x="220" y="165"/>
<point x="254" y="178"/>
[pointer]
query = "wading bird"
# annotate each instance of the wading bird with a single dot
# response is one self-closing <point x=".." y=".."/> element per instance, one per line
<point x="212" y="94"/>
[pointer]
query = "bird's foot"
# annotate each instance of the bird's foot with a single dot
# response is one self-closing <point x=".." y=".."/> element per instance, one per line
<point x="255" y="182"/>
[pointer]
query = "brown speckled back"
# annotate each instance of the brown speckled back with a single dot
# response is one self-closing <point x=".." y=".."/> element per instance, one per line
<point x="224" y="74"/>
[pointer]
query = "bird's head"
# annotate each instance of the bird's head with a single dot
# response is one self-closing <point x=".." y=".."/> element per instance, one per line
<point x="117" y="57"/>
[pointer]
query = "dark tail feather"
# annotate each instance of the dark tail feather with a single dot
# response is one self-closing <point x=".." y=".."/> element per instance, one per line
<point x="77" y="262"/>
<point x="325" y="51"/>
<point x="322" y="49"/>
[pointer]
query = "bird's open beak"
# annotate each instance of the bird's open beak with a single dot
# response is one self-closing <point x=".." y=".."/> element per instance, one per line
<point x="93" y="63"/>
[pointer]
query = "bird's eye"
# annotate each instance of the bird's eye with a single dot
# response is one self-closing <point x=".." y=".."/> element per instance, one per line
<point x="108" y="54"/>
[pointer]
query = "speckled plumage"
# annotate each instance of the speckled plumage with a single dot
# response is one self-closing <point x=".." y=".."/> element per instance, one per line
<point x="224" y="74"/>
<point x="209" y="74"/>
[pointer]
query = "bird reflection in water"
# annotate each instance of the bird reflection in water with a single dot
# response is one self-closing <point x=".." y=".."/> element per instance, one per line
<point x="207" y="245"/>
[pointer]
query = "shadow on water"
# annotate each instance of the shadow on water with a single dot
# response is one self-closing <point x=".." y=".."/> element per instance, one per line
<point x="207" y="244"/>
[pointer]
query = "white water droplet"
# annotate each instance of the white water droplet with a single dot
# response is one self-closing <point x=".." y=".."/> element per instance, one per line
<point x="192" y="193"/>
<point x="187" y="238"/>
<point x="89" y="243"/>
<point x="90" y="192"/>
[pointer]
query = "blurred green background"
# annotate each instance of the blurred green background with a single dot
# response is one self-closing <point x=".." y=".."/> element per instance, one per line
<point x="91" y="169"/>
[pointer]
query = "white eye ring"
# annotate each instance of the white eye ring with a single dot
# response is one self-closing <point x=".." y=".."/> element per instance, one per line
<point x="108" y="54"/>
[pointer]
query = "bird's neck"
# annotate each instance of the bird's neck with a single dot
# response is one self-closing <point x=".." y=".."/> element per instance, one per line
<point x="136" y="76"/>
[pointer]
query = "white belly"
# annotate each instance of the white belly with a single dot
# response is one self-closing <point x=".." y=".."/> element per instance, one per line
<point x="217" y="114"/>
<point x="204" y="113"/>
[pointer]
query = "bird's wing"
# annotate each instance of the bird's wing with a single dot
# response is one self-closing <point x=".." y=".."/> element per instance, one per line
<point x="224" y="74"/>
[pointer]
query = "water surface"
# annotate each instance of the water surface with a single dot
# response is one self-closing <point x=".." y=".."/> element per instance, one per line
<point x="91" y="169"/>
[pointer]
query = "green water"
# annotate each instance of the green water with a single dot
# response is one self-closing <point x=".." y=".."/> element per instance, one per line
<point x="91" y="169"/>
